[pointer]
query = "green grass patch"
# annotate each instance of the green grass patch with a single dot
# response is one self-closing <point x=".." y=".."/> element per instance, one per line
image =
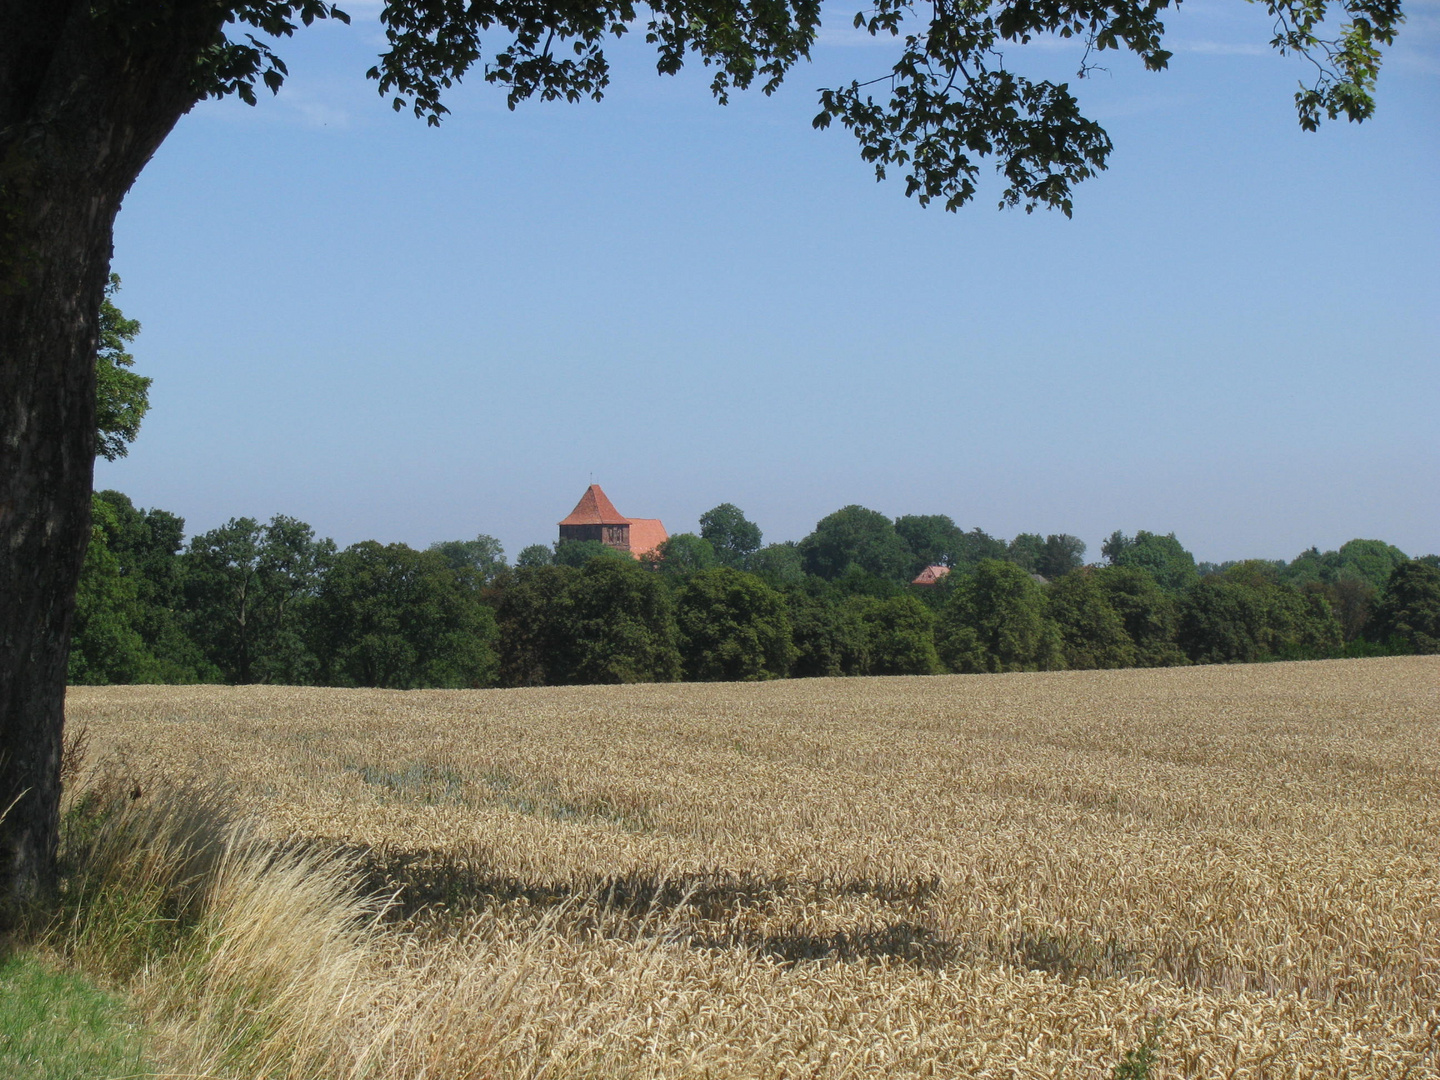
<point x="56" y="1026"/>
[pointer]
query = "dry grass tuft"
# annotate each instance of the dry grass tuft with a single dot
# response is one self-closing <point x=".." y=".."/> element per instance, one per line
<point x="248" y="958"/>
<point x="1231" y="870"/>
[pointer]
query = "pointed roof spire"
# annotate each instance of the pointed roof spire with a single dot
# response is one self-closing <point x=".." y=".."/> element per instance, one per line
<point x="595" y="509"/>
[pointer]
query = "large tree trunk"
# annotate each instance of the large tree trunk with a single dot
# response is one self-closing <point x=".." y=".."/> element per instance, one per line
<point x="83" y="106"/>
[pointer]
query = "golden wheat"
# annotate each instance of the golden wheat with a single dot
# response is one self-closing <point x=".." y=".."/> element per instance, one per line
<point x="1008" y="876"/>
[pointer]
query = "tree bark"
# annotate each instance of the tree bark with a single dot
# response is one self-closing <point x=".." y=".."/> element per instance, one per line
<point x="85" y="100"/>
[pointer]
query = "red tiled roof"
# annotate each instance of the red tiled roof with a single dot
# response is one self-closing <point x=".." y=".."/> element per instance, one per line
<point x="595" y="509"/>
<point x="646" y="534"/>
<point x="931" y="575"/>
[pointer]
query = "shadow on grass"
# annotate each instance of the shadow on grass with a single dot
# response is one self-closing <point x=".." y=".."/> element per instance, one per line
<point x="460" y="884"/>
<point x="707" y="911"/>
<point x="726" y="911"/>
<point x="902" y="942"/>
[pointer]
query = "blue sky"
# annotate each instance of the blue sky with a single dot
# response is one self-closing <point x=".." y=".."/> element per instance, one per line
<point x="402" y="333"/>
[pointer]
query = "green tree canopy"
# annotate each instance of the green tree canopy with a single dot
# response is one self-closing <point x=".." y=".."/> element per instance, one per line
<point x="577" y="553"/>
<point x="857" y="581"/>
<point x="1172" y="567"/>
<point x="1092" y="632"/>
<point x="246" y="587"/>
<point x="684" y="554"/>
<point x="1370" y="561"/>
<point x="620" y="625"/>
<point x="388" y="615"/>
<point x="899" y="635"/>
<point x="1061" y="554"/>
<point x="147" y="545"/>
<point x="122" y="397"/>
<point x="1409" y="608"/>
<point x="1306" y="567"/>
<point x="534" y="625"/>
<point x="1051" y="556"/>
<point x="932" y="540"/>
<point x="533" y="555"/>
<point x="1350" y="598"/>
<point x="610" y="621"/>
<point x="778" y="565"/>
<point x="976" y="546"/>
<point x="1367" y="561"/>
<point x="106" y="646"/>
<point x="484" y="556"/>
<point x="855" y="536"/>
<point x="733" y="627"/>
<point x="1025" y="551"/>
<point x="935" y="540"/>
<point x="733" y="536"/>
<point x="293" y="563"/>
<point x="1150" y="614"/>
<point x="147" y="542"/>
<point x="1350" y="583"/>
<point x="1245" y="614"/>
<point x="996" y="621"/>
<point x="225" y="595"/>
<point x="829" y="636"/>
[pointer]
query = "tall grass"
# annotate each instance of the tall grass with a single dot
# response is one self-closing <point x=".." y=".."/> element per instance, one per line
<point x="245" y="957"/>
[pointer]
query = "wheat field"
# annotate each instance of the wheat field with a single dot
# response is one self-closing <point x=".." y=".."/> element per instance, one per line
<point x="1217" y="871"/>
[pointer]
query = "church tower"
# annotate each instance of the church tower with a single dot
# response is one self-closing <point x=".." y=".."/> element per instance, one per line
<point x="595" y="518"/>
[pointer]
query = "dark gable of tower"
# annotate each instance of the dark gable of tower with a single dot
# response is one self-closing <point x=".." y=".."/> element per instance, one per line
<point x="616" y="536"/>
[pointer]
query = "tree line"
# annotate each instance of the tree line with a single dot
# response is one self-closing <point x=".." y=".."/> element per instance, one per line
<point x="253" y="602"/>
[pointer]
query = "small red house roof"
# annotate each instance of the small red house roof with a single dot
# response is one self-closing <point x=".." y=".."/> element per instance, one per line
<point x="595" y="509"/>
<point x="931" y="575"/>
<point x="646" y="534"/>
